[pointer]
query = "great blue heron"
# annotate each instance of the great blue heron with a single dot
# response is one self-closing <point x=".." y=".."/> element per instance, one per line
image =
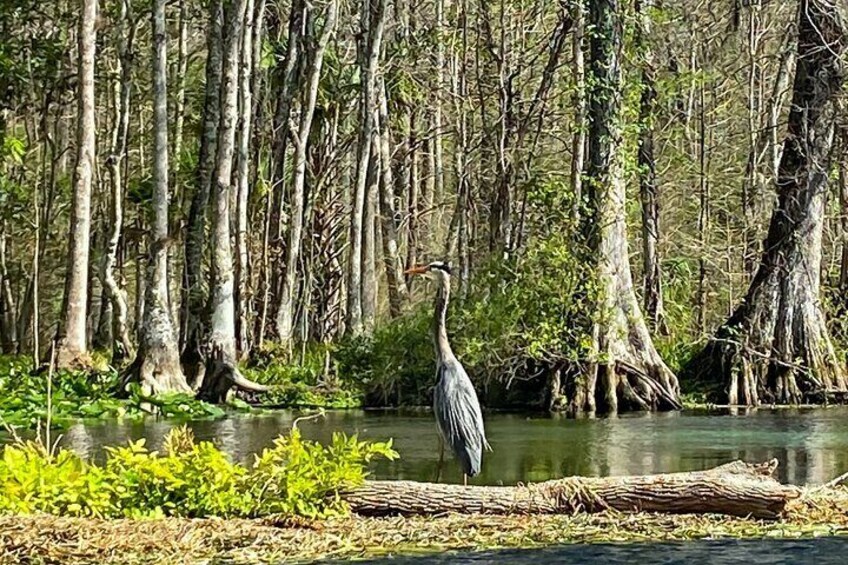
<point x="455" y="403"/>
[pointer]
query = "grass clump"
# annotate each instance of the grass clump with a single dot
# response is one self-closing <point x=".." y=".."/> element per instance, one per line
<point x="293" y="477"/>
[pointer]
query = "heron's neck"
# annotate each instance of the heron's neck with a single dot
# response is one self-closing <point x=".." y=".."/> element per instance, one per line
<point x="440" y="331"/>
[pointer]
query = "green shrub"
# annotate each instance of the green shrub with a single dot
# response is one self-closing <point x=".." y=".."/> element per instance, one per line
<point x="32" y="480"/>
<point x="305" y="383"/>
<point x="190" y="479"/>
<point x="305" y="478"/>
<point x="520" y="316"/>
<point x="394" y="366"/>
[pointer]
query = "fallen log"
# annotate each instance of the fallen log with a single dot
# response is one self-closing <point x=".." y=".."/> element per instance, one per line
<point x="735" y="489"/>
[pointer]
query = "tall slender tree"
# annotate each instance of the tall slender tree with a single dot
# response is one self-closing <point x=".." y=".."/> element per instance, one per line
<point x="157" y="365"/>
<point x="578" y="134"/>
<point x="72" y="347"/>
<point x="242" y="188"/>
<point x="122" y="347"/>
<point x="372" y="23"/>
<point x="396" y="284"/>
<point x="649" y="191"/>
<point x="294" y="241"/>
<point x="194" y="297"/>
<point x="221" y="373"/>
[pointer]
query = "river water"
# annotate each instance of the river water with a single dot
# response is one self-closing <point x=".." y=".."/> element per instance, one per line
<point x="810" y="444"/>
<point x="825" y="551"/>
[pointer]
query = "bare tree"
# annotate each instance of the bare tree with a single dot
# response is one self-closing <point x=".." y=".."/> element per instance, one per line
<point x="122" y="347"/>
<point x="648" y="185"/>
<point x="180" y="77"/>
<point x="578" y="135"/>
<point x="372" y="22"/>
<point x="286" y="79"/>
<point x="221" y="373"/>
<point x="8" y="331"/>
<point x="194" y="296"/>
<point x="285" y="311"/>
<point x="369" y="247"/>
<point x="396" y="284"/>
<point x="242" y="189"/>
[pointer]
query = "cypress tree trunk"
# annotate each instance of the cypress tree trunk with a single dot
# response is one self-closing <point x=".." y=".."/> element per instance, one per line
<point x="627" y="372"/>
<point x="194" y="298"/>
<point x="286" y="80"/>
<point x="72" y="348"/>
<point x="373" y="20"/>
<point x="180" y="72"/>
<point x="395" y="283"/>
<point x="648" y="187"/>
<point x="242" y="188"/>
<point x="8" y="331"/>
<point x="369" y="247"/>
<point x="578" y="136"/>
<point x="221" y="373"/>
<point x="157" y="365"/>
<point x="775" y="348"/>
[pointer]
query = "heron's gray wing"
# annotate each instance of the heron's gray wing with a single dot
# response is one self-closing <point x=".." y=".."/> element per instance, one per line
<point x="459" y="416"/>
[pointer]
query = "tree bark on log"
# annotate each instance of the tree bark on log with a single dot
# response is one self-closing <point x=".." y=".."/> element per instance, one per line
<point x="735" y="489"/>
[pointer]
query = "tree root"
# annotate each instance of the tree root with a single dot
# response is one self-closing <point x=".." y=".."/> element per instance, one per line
<point x="222" y="375"/>
<point x="157" y="371"/>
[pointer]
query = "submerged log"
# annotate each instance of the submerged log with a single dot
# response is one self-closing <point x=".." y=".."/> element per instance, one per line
<point x="735" y="489"/>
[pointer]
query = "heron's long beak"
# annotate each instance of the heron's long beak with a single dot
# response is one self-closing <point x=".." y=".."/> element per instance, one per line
<point x="416" y="271"/>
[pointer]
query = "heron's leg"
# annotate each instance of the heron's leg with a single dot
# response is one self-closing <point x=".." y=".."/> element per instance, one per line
<point x="464" y="480"/>
<point x="441" y="459"/>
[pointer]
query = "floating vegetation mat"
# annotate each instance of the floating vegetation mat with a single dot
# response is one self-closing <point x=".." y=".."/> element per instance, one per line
<point x="49" y="539"/>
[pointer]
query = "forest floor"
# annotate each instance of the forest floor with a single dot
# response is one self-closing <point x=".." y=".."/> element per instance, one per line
<point x="47" y="539"/>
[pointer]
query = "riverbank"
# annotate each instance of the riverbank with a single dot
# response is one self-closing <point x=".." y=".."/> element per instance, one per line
<point x="819" y="512"/>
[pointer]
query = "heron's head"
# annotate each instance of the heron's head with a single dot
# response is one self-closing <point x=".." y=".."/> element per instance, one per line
<point x="434" y="271"/>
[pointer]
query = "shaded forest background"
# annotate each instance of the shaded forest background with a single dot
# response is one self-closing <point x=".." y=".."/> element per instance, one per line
<point x="259" y="173"/>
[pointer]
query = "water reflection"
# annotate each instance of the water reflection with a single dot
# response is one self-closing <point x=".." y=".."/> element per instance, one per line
<point x="810" y="444"/>
<point x="822" y="551"/>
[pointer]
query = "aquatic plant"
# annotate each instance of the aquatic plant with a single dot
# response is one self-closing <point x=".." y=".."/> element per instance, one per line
<point x="27" y="396"/>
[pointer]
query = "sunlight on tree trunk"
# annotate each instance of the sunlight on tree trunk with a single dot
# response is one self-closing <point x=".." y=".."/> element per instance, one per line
<point x="776" y="348"/>
<point x="157" y="366"/>
<point x="286" y="308"/>
<point x="627" y="372"/>
<point x="221" y="372"/>
<point x="72" y="349"/>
